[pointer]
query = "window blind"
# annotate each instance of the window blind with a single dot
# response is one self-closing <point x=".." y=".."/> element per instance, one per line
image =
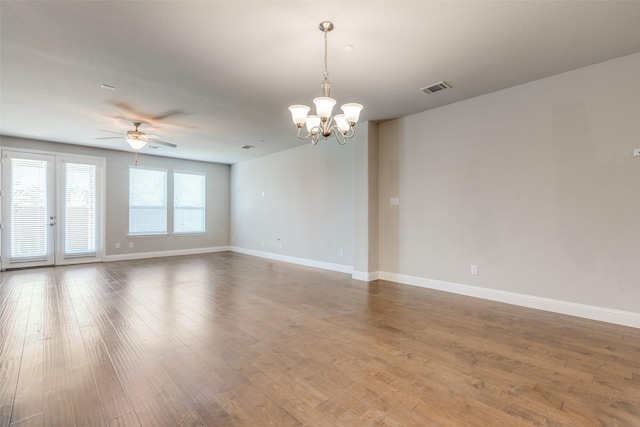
<point x="147" y="201"/>
<point x="188" y="203"/>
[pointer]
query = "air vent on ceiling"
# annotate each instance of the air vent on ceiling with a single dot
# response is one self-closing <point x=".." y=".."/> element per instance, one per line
<point x="437" y="87"/>
<point x="246" y="147"/>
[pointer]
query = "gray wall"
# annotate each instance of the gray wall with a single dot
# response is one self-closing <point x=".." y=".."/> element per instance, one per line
<point x="117" y="194"/>
<point x="307" y="203"/>
<point x="535" y="184"/>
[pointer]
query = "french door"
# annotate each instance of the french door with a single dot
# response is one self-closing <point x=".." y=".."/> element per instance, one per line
<point x="51" y="209"/>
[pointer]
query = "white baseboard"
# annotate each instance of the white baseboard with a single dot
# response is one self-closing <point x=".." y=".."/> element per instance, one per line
<point x="602" y="314"/>
<point x="365" y="276"/>
<point x="293" y="260"/>
<point x="145" y="255"/>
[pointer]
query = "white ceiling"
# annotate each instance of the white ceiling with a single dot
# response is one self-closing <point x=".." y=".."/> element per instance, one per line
<point x="212" y="76"/>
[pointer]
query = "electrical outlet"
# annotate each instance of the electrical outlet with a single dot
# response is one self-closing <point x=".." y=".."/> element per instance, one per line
<point x="341" y="252"/>
<point x="394" y="201"/>
<point x="636" y="152"/>
<point x="130" y="244"/>
<point x="262" y="243"/>
<point x="279" y="243"/>
<point x="474" y="270"/>
<point x="117" y="245"/>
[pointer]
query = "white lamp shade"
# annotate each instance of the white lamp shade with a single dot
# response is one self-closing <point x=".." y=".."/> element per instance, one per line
<point x="136" y="143"/>
<point x="313" y="124"/>
<point x="352" y="112"/>
<point x="342" y="123"/>
<point x="299" y="114"/>
<point x="324" y="106"/>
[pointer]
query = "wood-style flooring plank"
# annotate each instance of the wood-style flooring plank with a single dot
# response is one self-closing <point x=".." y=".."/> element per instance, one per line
<point x="227" y="339"/>
<point x="28" y="401"/>
<point x="14" y="314"/>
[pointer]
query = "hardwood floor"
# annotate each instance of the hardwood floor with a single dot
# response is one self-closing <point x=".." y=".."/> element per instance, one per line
<point x="229" y="339"/>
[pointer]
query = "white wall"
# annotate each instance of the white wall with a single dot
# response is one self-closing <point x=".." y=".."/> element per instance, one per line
<point x="535" y="184"/>
<point x="307" y="203"/>
<point x="117" y="202"/>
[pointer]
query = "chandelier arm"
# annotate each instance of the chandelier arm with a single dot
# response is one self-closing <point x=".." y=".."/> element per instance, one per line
<point x="314" y="136"/>
<point x="340" y="138"/>
<point x="350" y="133"/>
<point x="300" y="136"/>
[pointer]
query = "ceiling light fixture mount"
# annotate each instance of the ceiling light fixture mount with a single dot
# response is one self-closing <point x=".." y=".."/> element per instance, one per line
<point x="321" y="124"/>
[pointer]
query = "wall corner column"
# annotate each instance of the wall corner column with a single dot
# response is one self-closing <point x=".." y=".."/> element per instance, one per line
<point x="365" y="199"/>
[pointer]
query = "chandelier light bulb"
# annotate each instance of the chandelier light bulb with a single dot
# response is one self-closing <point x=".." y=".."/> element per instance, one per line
<point x="324" y="107"/>
<point x="313" y="124"/>
<point x="299" y="114"/>
<point x="342" y="123"/>
<point x="352" y="112"/>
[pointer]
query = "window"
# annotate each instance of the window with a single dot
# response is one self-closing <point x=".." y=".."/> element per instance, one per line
<point x="147" y="201"/>
<point x="188" y="203"/>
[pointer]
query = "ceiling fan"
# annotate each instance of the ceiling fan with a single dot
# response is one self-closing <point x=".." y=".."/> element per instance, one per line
<point x="136" y="139"/>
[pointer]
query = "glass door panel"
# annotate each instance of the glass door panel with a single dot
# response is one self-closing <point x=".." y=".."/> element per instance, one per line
<point x="28" y="210"/>
<point x="79" y="214"/>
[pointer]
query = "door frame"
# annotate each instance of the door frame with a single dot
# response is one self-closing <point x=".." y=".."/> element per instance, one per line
<point x="58" y="160"/>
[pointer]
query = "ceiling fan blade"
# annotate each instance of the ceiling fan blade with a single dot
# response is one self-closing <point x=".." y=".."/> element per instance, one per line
<point x="166" y="144"/>
<point x="167" y="114"/>
<point x="126" y="107"/>
<point x="109" y="137"/>
<point x="110" y="131"/>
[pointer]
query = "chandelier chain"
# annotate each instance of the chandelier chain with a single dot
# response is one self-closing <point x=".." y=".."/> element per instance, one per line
<point x="326" y="69"/>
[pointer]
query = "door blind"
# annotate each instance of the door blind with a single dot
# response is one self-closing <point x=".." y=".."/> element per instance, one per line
<point x="80" y="209"/>
<point x="29" y="216"/>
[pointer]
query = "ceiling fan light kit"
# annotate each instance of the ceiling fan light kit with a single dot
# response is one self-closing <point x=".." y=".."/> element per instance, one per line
<point x="137" y="140"/>
<point x="322" y="123"/>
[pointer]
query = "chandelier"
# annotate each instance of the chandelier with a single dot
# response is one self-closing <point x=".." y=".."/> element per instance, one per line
<point x="322" y="123"/>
